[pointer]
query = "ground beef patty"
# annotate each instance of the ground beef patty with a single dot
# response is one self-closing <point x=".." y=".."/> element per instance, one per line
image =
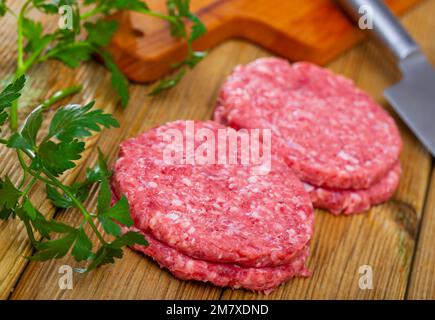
<point x="352" y="201"/>
<point x="330" y="132"/>
<point x="222" y="274"/>
<point x="214" y="212"/>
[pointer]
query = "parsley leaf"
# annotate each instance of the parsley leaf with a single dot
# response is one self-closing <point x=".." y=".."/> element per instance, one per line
<point x="80" y="190"/>
<point x="119" y="82"/>
<point x="32" y="31"/>
<point x="11" y="93"/>
<point x="198" y="28"/>
<point x="83" y="247"/>
<point x="29" y="209"/>
<point x="17" y="141"/>
<point x="129" y="5"/>
<point x="55" y="249"/>
<point x="100" y="171"/>
<point x="31" y="127"/>
<point x="104" y="196"/>
<point x="107" y="253"/>
<point x="3" y="8"/>
<point x="168" y="83"/>
<point x="74" y="121"/>
<point x="128" y="239"/>
<point x="71" y="54"/>
<point x="9" y="195"/>
<point x="119" y="212"/>
<point x="58" y="157"/>
<point x="3" y="118"/>
<point x="101" y="32"/>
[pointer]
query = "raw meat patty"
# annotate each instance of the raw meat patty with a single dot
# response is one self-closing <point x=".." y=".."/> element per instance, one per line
<point x="355" y="201"/>
<point x="213" y="212"/>
<point x="220" y="274"/>
<point x="330" y="132"/>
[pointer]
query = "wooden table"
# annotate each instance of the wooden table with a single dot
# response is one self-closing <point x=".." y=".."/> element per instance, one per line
<point x="396" y="239"/>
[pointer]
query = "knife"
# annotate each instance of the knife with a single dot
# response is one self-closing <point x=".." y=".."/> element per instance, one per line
<point x="413" y="98"/>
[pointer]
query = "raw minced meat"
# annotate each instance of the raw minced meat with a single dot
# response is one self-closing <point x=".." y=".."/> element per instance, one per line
<point x="331" y="133"/>
<point x="355" y="201"/>
<point x="214" y="212"/>
<point x="184" y="267"/>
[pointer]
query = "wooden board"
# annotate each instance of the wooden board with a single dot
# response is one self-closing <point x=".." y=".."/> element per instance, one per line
<point x="422" y="282"/>
<point x="314" y="30"/>
<point x="396" y="238"/>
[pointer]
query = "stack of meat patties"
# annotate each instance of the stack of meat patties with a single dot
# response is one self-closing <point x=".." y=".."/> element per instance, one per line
<point x="334" y="136"/>
<point x="222" y="223"/>
<point x="332" y="146"/>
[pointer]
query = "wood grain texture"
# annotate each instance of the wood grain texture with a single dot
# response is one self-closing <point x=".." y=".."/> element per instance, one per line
<point x="422" y="281"/>
<point x="314" y="30"/>
<point x="43" y="81"/>
<point x="384" y="238"/>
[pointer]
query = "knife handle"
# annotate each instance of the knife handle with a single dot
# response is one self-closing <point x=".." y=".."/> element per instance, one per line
<point x="385" y="27"/>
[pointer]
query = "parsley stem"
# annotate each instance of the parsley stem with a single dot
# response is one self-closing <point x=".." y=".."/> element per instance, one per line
<point x="20" y="63"/>
<point x="158" y="15"/>
<point x="151" y="13"/>
<point x="3" y="141"/>
<point x="29" y="186"/>
<point x="59" y="95"/>
<point x="57" y="183"/>
<point x="30" y="233"/>
<point x="79" y="205"/>
<point x="38" y="176"/>
<point x="91" y="13"/>
<point x="24" y="166"/>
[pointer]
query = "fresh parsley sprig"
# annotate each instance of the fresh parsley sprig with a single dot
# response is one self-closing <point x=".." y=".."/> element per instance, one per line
<point x="179" y="12"/>
<point x="88" y="37"/>
<point x="50" y="155"/>
<point x="43" y="157"/>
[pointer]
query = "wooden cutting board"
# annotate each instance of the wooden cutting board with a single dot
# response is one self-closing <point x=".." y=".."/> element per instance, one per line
<point x="314" y="30"/>
<point x="396" y="238"/>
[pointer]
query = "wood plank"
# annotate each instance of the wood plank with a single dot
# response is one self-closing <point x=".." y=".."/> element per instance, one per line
<point x="422" y="282"/>
<point x="136" y="277"/>
<point x="384" y="238"/>
<point x="315" y="30"/>
<point x="43" y="80"/>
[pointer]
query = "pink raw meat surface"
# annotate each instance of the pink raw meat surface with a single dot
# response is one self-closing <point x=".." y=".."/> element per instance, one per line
<point x="355" y="201"/>
<point x="330" y="132"/>
<point x="219" y="213"/>
<point x="224" y="275"/>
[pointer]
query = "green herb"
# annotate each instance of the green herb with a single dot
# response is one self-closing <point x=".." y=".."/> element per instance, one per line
<point x="179" y="12"/>
<point x="44" y="156"/>
<point x="49" y="155"/>
<point x="86" y="38"/>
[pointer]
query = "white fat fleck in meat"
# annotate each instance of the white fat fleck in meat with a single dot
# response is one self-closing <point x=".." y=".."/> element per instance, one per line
<point x="189" y="266"/>
<point x="254" y="214"/>
<point x="176" y="202"/>
<point x="349" y="168"/>
<point x="252" y="179"/>
<point x="187" y="181"/>
<point x="191" y="230"/>
<point x="152" y="184"/>
<point x="346" y="156"/>
<point x="172" y="216"/>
